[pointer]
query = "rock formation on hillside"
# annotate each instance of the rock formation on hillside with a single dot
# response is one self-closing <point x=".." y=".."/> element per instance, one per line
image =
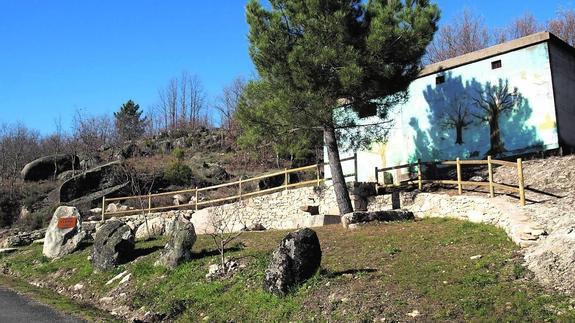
<point x="49" y="167"/>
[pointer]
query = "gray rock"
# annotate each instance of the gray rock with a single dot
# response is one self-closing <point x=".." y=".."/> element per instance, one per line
<point x="179" y="246"/>
<point x="180" y="199"/>
<point x="49" y="167"/>
<point x="92" y="181"/>
<point x="64" y="176"/>
<point x="152" y="228"/>
<point x="59" y="242"/>
<point x="113" y="243"/>
<point x="297" y="258"/>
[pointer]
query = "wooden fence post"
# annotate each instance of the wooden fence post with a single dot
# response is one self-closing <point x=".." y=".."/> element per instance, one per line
<point x="459" y="186"/>
<point x="376" y="176"/>
<point x="103" y="209"/>
<point x="398" y="176"/>
<point x="490" y="170"/>
<point x="149" y="203"/>
<point x="196" y="198"/>
<point x="521" y="181"/>
<point x="317" y="177"/>
<point x="355" y="166"/>
<point x="240" y="189"/>
<point x="286" y="180"/>
<point x="419" y="175"/>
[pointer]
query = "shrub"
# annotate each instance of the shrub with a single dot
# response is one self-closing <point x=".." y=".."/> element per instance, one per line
<point x="179" y="153"/>
<point x="178" y="173"/>
<point x="38" y="219"/>
<point x="9" y="209"/>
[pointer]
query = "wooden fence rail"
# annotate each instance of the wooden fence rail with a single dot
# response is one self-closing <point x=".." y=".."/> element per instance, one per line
<point x="520" y="188"/>
<point x="241" y="194"/>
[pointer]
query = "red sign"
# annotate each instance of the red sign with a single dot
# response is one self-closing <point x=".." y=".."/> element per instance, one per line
<point x="67" y="222"/>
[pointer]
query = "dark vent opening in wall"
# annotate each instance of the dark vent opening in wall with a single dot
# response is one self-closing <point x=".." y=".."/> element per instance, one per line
<point x="496" y="64"/>
<point x="440" y="79"/>
<point x="366" y="110"/>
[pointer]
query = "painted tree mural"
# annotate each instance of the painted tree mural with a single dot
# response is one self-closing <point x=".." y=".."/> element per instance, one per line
<point x="457" y="118"/>
<point x="493" y="102"/>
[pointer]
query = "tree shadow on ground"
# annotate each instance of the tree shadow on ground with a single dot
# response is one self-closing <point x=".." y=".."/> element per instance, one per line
<point x="329" y="274"/>
<point x="140" y="252"/>
<point x="214" y="252"/>
<point x="457" y="125"/>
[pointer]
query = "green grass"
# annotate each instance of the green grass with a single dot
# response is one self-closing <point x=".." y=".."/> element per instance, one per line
<point x="374" y="272"/>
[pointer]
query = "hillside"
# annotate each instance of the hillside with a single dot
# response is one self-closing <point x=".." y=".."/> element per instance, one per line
<point x="169" y="161"/>
<point x="423" y="270"/>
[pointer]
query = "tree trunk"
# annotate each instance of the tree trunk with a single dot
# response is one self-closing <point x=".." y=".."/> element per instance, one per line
<point x="495" y="135"/>
<point x="341" y="193"/>
<point x="459" y="134"/>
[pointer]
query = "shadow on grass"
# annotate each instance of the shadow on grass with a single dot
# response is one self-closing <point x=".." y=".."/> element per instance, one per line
<point x="85" y="245"/>
<point x="140" y="252"/>
<point x="327" y="273"/>
<point x="214" y="252"/>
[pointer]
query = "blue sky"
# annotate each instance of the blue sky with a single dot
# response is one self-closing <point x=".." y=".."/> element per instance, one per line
<point x="60" y="56"/>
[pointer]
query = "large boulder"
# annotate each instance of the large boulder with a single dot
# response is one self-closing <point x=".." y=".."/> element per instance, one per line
<point x="64" y="233"/>
<point x="151" y="228"/>
<point x="297" y="258"/>
<point x="179" y="246"/>
<point x="113" y="244"/>
<point x="96" y="180"/>
<point x="49" y="167"/>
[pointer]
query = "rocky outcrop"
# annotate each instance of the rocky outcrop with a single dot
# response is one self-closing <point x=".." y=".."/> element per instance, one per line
<point x="179" y="246"/>
<point x="297" y="258"/>
<point x="49" y="167"/>
<point x="113" y="243"/>
<point x="21" y="239"/>
<point x="89" y="183"/>
<point x="63" y="240"/>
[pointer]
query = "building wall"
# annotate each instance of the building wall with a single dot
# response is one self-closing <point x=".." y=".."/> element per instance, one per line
<point x="563" y="67"/>
<point x="420" y="129"/>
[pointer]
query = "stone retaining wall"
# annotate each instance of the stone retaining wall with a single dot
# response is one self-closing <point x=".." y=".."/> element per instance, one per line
<point x="279" y="210"/>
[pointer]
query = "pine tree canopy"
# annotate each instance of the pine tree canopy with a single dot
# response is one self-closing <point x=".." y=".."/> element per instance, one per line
<point x="129" y="122"/>
<point x="313" y="56"/>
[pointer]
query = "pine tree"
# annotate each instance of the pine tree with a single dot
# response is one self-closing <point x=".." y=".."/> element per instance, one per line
<point x="129" y="122"/>
<point x="316" y="56"/>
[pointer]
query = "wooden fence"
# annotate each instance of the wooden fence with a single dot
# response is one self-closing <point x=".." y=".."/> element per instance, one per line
<point x="146" y="200"/>
<point x="520" y="188"/>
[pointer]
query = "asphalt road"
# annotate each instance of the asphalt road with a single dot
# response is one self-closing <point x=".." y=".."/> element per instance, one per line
<point x="18" y="308"/>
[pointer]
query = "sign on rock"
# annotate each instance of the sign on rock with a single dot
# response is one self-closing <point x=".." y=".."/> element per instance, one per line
<point x="67" y="222"/>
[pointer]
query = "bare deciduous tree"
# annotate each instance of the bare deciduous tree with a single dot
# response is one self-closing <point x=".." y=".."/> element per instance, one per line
<point x="228" y="102"/>
<point x="181" y="104"/>
<point x="140" y="185"/>
<point x="563" y="26"/>
<point x="224" y="229"/>
<point x="18" y="146"/>
<point x="524" y="26"/>
<point x="466" y="34"/>
<point x="90" y="133"/>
